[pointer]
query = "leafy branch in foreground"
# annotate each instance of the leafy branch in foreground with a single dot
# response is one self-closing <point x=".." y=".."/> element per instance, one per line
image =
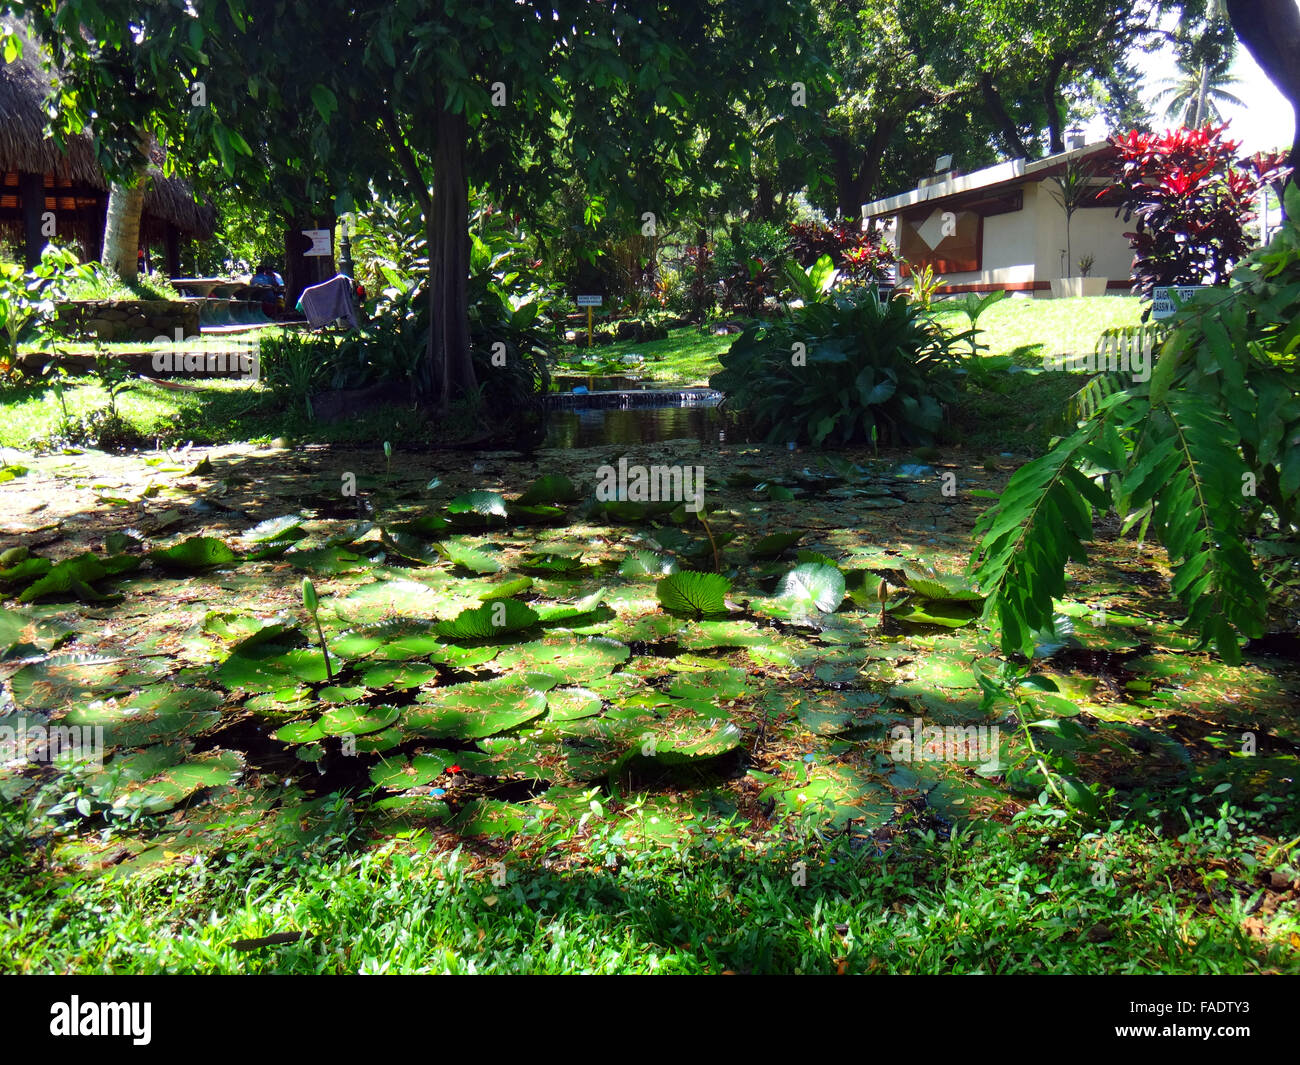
<point x="1204" y="457"/>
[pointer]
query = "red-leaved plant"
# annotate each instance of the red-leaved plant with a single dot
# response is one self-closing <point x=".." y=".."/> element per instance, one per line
<point x="857" y="255"/>
<point x="1192" y="198"/>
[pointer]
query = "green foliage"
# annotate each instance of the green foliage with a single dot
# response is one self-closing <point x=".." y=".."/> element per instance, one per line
<point x="27" y="300"/>
<point x="1201" y="456"/>
<point x="834" y="370"/>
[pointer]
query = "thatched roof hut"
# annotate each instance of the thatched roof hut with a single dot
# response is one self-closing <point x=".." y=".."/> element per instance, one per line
<point x="37" y="176"/>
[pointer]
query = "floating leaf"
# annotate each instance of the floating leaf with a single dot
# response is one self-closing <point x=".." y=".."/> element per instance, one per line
<point x="485" y="504"/>
<point x="549" y="489"/>
<point x="693" y="593"/>
<point x="489" y="621"/>
<point x="198" y="552"/>
<point x="813" y="586"/>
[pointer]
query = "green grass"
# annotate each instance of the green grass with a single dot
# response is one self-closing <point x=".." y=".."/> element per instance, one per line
<point x="1028" y="898"/>
<point x="1028" y="329"/>
<point x="220" y="412"/>
<point x="687" y="357"/>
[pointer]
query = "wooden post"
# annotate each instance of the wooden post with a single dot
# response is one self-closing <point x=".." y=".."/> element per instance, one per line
<point x="31" y="189"/>
<point x="172" y="242"/>
<point x="589" y="326"/>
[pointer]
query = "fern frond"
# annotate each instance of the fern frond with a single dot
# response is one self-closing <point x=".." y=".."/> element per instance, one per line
<point x="1192" y="477"/>
<point x="1041" y="522"/>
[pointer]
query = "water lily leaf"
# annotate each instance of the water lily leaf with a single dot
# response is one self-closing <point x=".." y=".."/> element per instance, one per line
<point x="401" y="773"/>
<point x="399" y="675"/>
<point x="357" y="720"/>
<point x="471" y="558"/>
<point x="569" y="704"/>
<point x="285" y="527"/>
<point x="773" y="544"/>
<point x="677" y="743"/>
<point x="577" y="659"/>
<point x="941" y="588"/>
<point x="377" y="600"/>
<point x="949" y="614"/>
<point x="647" y="564"/>
<point x="490" y="621"/>
<point x="474" y="710"/>
<point x="508" y="756"/>
<point x="813" y="586"/>
<point x="511" y="586"/>
<point x="327" y="561"/>
<point x="299" y="732"/>
<point x="425" y="526"/>
<point x="552" y="613"/>
<point x="549" y="489"/>
<point x="692" y="593"/>
<point x="485" y="504"/>
<point x="409" y="547"/>
<point x="61" y="578"/>
<point x="134" y="787"/>
<point x="156" y="715"/>
<point x="269" y="666"/>
<point x="196" y="553"/>
<point x="65" y="678"/>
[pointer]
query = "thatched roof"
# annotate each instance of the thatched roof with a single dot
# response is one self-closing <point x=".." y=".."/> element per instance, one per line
<point x="25" y="148"/>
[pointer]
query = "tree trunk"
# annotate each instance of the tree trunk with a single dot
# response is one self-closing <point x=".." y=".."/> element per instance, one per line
<point x="450" y="365"/>
<point x="1055" y="132"/>
<point x="1270" y="30"/>
<point x="998" y="112"/>
<point x="122" y="219"/>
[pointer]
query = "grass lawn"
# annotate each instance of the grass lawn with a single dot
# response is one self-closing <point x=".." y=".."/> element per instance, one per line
<point x="687" y="357"/>
<point x="1028" y="329"/>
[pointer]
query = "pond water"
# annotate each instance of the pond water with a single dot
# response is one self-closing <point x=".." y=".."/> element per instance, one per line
<point x="576" y="424"/>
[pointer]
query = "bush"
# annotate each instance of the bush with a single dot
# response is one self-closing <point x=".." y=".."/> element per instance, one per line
<point x="748" y="262"/>
<point x="846" y="368"/>
<point x="1192" y="199"/>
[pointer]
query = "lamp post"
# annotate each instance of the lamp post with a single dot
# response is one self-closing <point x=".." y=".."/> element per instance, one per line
<point x="345" y="250"/>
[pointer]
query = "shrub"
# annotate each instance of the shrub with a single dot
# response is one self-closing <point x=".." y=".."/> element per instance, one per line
<point x="846" y="368"/>
<point x="1192" y="199"/>
<point x="749" y="261"/>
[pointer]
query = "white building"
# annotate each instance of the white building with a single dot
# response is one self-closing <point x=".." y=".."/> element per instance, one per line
<point x="1002" y="227"/>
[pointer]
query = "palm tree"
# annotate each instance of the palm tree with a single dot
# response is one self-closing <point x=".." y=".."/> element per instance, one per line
<point x="1194" y="96"/>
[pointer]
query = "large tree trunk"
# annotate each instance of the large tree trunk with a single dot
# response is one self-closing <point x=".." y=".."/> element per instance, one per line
<point x="998" y="112"/>
<point x="1270" y="30"/>
<point x="122" y="220"/>
<point x="1052" y="104"/>
<point x="450" y="365"/>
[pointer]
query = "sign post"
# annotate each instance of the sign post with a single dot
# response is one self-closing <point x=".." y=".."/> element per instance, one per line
<point x="589" y="302"/>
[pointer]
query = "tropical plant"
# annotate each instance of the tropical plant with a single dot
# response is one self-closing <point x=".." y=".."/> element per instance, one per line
<point x="1074" y="189"/>
<point x="972" y="305"/>
<point x="1086" y="263"/>
<point x="925" y="283"/>
<point x="839" y="368"/>
<point x="1192" y="198"/>
<point x="27" y="298"/>
<point x="1200" y="457"/>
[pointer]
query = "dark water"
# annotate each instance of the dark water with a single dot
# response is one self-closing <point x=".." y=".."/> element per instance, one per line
<point x="591" y="428"/>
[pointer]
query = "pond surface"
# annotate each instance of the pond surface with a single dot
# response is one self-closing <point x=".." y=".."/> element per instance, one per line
<point x="635" y="423"/>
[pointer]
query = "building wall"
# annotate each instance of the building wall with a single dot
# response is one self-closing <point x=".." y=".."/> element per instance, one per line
<point x="1094" y="231"/>
<point x="1022" y="249"/>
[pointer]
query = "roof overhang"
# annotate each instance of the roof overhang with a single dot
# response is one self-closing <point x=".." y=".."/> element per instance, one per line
<point x="990" y="179"/>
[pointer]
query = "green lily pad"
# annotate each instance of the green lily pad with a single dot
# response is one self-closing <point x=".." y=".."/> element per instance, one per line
<point x="576" y="659"/>
<point x="474" y="710"/>
<point x="196" y="553"/>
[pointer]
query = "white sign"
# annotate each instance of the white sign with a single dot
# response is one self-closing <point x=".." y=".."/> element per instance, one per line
<point x="1162" y="305"/>
<point x="589" y="301"/>
<point x="320" y="241"/>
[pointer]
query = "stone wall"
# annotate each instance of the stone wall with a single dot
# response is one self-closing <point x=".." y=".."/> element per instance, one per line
<point x="132" y="320"/>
